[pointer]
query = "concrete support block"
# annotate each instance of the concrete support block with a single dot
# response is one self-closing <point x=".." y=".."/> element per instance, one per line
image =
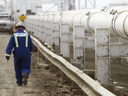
<point x="116" y="83"/>
<point x="109" y="87"/>
<point x="120" y="91"/>
<point x="52" y="68"/>
<point x="45" y="66"/>
<point x="117" y="90"/>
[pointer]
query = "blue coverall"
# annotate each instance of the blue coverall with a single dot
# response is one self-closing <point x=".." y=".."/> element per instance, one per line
<point x="23" y="47"/>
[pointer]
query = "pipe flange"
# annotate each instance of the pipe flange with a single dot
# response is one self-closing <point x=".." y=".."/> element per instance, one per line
<point x="115" y="16"/>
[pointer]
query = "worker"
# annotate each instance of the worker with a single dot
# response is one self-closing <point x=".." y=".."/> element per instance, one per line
<point x="23" y="47"/>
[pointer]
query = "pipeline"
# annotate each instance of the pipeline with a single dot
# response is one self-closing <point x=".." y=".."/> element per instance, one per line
<point x="88" y="85"/>
<point x="114" y="18"/>
<point x="43" y="25"/>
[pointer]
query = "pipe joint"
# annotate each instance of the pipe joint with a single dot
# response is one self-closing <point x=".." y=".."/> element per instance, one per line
<point x="88" y="13"/>
<point x="104" y="8"/>
<point x="118" y="26"/>
<point x="113" y="12"/>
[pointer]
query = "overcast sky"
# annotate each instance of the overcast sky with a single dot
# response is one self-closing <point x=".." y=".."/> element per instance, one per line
<point x="99" y="3"/>
<point x="102" y="3"/>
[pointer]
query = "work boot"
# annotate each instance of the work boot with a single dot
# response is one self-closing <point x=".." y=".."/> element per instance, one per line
<point x="19" y="84"/>
<point x="25" y="79"/>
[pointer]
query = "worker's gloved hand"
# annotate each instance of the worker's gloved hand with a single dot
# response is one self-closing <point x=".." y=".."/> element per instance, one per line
<point x="7" y="57"/>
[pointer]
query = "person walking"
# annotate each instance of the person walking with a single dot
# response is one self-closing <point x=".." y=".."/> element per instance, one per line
<point x="22" y="46"/>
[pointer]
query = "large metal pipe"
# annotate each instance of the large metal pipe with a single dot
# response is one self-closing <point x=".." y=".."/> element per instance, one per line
<point x="104" y="19"/>
<point x="120" y="25"/>
<point x="74" y="17"/>
<point x="114" y="18"/>
<point x="97" y="19"/>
